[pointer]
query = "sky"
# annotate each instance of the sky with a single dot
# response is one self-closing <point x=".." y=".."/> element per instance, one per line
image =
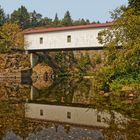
<point x="94" y="10"/>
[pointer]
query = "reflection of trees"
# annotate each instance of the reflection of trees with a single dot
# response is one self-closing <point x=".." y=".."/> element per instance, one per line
<point x="12" y="109"/>
<point x="63" y="90"/>
<point x="14" y="92"/>
<point x="119" y="129"/>
<point x="12" y="115"/>
<point x="120" y="104"/>
<point x="115" y="127"/>
<point x="83" y="92"/>
<point x="12" y="118"/>
<point x="132" y="130"/>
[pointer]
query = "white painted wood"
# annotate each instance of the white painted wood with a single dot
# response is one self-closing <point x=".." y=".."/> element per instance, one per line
<point x="80" y="38"/>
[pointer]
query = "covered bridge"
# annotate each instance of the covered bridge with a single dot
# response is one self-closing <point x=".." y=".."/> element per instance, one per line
<point x="63" y="38"/>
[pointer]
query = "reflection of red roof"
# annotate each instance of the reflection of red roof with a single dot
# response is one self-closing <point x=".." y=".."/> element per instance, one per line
<point x="42" y="30"/>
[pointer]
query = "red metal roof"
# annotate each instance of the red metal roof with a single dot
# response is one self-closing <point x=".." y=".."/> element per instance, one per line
<point x="31" y="31"/>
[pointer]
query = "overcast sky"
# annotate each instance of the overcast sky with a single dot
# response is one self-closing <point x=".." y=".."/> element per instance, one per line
<point x="89" y="9"/>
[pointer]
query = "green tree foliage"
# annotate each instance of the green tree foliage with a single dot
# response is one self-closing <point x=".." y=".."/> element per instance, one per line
<point x="10" y="37"/>
<point x="122" y="66"/>
<point x="56" y="21"/>
<point x="61" y="58"/>
<point x="26" y="19"/>
<point x="83" y="22"/>
<point x="2" y="16"/>
<point x="67" y="20"/>
<point x="83" y="63"/>
<point x="35" y="19"/>
<point x="21" y="17"/>
<point x="77" y="22"/>
<point x="135" y="4"/>
<point x="46" y="22"/>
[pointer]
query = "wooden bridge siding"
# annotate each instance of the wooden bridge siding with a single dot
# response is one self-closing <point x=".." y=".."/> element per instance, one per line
<point x="85" y="38"/>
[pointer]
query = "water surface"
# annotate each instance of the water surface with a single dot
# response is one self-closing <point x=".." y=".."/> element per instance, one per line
<point x="66" y="109"/>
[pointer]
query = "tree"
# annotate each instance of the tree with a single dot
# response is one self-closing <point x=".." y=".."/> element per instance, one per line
<point x="21" y="17"/>
<point x="2" y="16"/>
<point x="83" y="22"/>
<point x="46" y="22"/>
<point x="122" y="66"/>
<point x="76" y="22"/>
<point x="134" y="4"/>
<point x="67" y="20"/>
<point x="56" y="20"/>
<point x="83" y="63"/>
<point x="35" y="19"/>
<point x="11" y="37"/>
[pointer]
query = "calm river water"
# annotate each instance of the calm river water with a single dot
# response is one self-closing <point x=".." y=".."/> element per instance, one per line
<point x="66" y="109"/>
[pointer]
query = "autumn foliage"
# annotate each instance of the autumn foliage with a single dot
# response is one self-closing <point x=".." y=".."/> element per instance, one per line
<point x="11" y="37"/>
<point x="122" y="66"/>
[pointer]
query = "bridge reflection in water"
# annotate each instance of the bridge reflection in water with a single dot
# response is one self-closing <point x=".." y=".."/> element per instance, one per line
<point x="82" y="116"/>
<point x="73" y="111"/>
